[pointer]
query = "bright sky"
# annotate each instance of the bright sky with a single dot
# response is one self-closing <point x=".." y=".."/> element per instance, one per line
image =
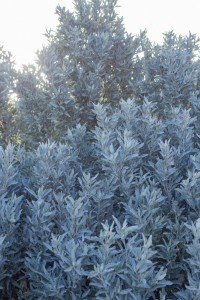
<point x="23" y="22"/>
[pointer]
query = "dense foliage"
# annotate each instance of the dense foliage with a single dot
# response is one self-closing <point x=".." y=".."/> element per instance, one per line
<point x="7" y="108"/>
<point x="99" y="189"/>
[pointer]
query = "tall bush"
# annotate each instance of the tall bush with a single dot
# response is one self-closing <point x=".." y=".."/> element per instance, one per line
<point x="90" y="58"/>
